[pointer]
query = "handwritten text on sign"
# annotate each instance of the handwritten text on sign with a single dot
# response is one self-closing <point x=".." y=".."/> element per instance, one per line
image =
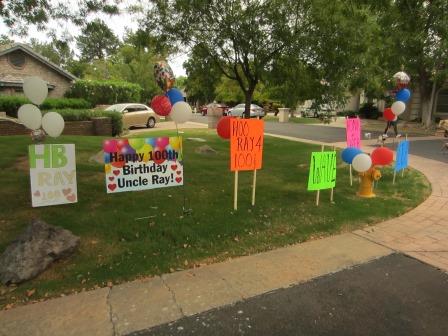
<point x="246" y="144"/>
<point x="142" y="163"/>
<point x="402" y="156"/>
<point x="322" y="171"/>
<point x="52" y="174"/>
<point x="353" y="126"/>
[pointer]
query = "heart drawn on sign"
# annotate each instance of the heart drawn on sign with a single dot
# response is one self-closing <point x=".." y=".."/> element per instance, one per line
<point x="71" y="198"/>
<point x="36" y="193"/>
<point x="116" y="172"/>
<point x="112" y="186"/>
<point x="111" y="178"/>
<point x="179" y="172"/>
<point x="178" y="179"/>
<point x="174" y="167"/>
<point x="66" y="191"/>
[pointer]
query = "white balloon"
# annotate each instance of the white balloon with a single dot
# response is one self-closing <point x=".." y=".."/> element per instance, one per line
<point x="181" y="112"/>
<point x="398" y="108"/>
<point x="35" y="89"/>
<point x="53" y="124"/>
<point x="362" y="162"/>
<point x="30" y="116"/>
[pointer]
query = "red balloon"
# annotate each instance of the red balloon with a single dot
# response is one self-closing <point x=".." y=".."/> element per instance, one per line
<point x="161" y="105"/>
<point x="388" y="114"/>
<point x="159" y="155"/>
<point x="223" y="127"/>
<point x="382" y="156"/>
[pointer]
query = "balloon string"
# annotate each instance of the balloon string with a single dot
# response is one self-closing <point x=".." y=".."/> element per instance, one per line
<point x="186" y="209"/>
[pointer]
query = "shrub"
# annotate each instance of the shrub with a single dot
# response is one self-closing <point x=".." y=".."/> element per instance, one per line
<point x="84" y="115"/>
<point x="369" y="111"/>
<point x="350" y="114"/>
<point x="11" y="104"/>
<point x="106" y="92"/>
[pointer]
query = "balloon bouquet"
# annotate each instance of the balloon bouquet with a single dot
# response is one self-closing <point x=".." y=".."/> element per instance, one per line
<point x="402" y="95"/>
<point x="52" y="123"/>
<point x="365" y="165"/>
<point x="172" y="102"/>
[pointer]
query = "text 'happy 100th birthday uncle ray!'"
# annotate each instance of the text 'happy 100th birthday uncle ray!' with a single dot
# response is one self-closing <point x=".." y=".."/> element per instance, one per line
<point x="143" y="163"/>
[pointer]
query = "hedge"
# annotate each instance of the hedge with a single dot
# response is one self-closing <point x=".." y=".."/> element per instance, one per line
<point x="106" y="92"/>
<point x="84" y="115"/>
<point x="11" y="104"/>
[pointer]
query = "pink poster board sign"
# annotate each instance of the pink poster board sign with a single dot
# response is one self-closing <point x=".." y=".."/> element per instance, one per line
<point x="353" y="128"/>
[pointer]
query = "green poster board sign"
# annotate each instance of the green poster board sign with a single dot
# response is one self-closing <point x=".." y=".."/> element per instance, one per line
<point x="322" y="171"/>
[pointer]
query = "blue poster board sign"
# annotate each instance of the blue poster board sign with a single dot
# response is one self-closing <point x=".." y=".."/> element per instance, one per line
<point x="401" y="161"/>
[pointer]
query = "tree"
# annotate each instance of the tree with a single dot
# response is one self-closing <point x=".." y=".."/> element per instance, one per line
<point x="97" y="41"/>
<point x="241" y="37"/>
<point x="415" y="37"/>
<point x="57" y="51"/>
<point x="19" y="14"/>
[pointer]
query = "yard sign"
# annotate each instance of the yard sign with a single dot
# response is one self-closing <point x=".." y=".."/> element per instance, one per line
<point x="322" y="171"/>
<point x="142" y="163"/>
<point x="353" y="129"/>
<point x="401" y="160"/>
<point x="246" y="144"/>
<point x="52" y="174"/>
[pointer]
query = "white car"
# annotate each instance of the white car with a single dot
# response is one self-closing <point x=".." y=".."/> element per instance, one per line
<point x="238" y="111"/>
<point x="135" y="115"/>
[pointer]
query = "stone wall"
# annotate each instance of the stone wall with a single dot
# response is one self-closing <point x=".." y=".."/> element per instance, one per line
<point x="96" y="126"/>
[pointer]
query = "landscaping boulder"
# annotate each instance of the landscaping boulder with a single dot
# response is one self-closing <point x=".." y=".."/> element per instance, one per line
<point x="34" y="250"/>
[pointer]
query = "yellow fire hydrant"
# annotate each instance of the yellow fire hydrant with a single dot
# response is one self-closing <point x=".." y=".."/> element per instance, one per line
<point x="366" y="185"/>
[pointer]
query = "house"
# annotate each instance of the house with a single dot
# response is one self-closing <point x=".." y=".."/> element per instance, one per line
<point x="18" y="61"/>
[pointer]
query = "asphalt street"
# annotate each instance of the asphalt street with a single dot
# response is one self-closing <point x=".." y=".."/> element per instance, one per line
<point x="430" y="149"/>
<point x="394" y="295"/>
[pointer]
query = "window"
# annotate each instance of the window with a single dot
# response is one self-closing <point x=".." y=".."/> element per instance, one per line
<point x="442" y="101"/>
<point x="17" y="59"/>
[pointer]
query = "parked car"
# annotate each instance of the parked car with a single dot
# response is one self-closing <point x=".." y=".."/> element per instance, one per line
<point x="238" y="111"/>
<point x="135" y="115"/>
<point x="223" y="107"/>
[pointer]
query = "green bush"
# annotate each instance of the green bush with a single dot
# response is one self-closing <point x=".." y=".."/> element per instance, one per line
<point x="106" y="92"/>
<point x="84" y="115"/>
<point x="11" y="104"/>
<point x="350" y="114"/>
<point x="369" y="111"/>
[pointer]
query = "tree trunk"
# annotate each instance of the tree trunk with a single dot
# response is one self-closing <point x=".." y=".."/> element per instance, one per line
<point x="248" y="95"/>
<point x="427" y="102"/>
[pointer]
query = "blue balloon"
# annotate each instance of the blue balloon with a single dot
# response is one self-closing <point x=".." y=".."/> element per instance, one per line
<point x="175" y="96"/>
<point x="151" y="141"/>
<point x="403" y="95"/>
<point x="349" y="153"/>
<point x="106" y="157"/>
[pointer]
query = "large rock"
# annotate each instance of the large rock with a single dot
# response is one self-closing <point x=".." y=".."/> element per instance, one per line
<point x="34" y="250"/>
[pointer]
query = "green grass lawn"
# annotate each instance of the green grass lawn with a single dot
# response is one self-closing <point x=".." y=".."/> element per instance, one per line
<point x="295" y="120"/>
<point x="116" y="246"/>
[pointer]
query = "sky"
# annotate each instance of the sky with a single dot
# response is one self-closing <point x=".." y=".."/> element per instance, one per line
<point x="118" y="23"/>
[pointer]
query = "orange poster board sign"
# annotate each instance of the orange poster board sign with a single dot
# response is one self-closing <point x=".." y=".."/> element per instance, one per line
<point x="246" y="144"/>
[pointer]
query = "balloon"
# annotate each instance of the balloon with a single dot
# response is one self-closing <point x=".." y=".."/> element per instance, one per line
<point x="175" y="96"/>
<point x="107" y="168"/>
<point x="35" y="89"/>
<point x="175" y="143"/>
<point x="398" y="108"/>
<point x="136" y="143"/>
<point x="162" y="142"/>
<point x="106" y="158"/>
<point x="223" y="127"/>
<point x="53" y="124"/>
<point x="157" y="155"/>
<point x="122" y="143"/>
<point x="127" y="150"/>
<point x="145" y="150"/>
<point x="362" y="162"/>
<point x="382" y="156"/>
<point x="164" y="75"/>
<point x="110" y="146"/>
<point x="388" y="114"/>
<point x="349" y="153"/>
<point x="151" y="141"/>
<point x="30" y="116"/>
<point x="403" y="95"/>
<point x="161" y="105"/>
<point x="181" y="112"/>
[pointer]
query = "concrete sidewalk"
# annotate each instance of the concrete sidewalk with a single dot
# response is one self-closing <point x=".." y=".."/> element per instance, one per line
<point x="421" y="233"/>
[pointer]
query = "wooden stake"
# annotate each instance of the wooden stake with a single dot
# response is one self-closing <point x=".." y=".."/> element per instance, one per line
<point x="254" y="184"/>
<point x="318" y="192"/>
<point x="351" y="175"/>
<point x="235" y="194"/>
<point x="332" y="189"/>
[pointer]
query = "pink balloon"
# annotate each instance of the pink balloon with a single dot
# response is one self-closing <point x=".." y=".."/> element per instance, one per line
<point x="162" y="142"/>
<point x="110" y="146"/>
